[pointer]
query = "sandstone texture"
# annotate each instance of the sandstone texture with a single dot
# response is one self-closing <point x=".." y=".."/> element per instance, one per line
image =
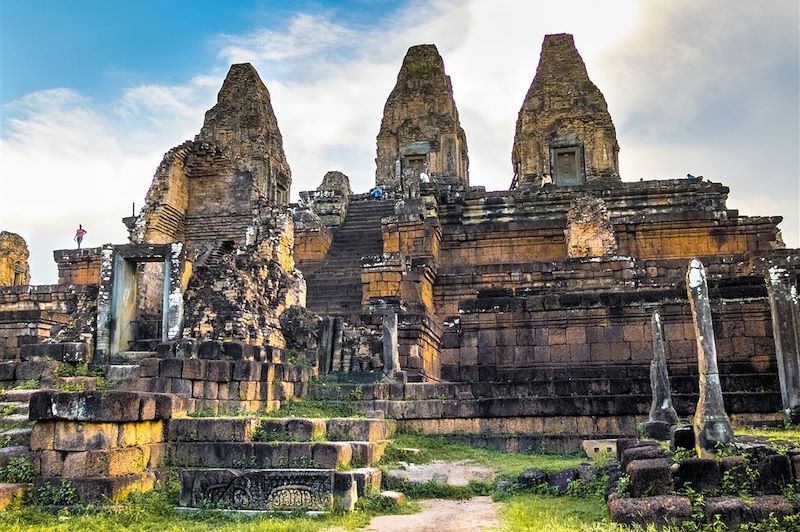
<point x="14" y="255"/>
<point x="420" y="130"/>
<point x="564" y="122"/>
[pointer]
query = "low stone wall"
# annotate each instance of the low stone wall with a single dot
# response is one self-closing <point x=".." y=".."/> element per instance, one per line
<point x="78" y="266"/>
<point x="31" y="314"/>
<point x="105" y="444"/>
<point x="223" y="385"/>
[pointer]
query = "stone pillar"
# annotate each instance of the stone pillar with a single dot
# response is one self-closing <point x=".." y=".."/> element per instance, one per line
<point x="662" y="413"/>
<point x="785" y="307"/>
<point x="391" y="351"/>
<point x="710" y="423"/>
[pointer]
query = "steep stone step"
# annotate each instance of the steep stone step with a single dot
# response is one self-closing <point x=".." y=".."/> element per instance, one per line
<point x="236" y="429"/>
<point x="14" y="407"/>
<point x="16" y="437"/>
<point x="130" y="357"/>
<point x="261" y="455"/>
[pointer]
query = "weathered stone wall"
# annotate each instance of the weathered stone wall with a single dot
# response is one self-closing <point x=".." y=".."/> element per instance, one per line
<point x="78" y="266"/>
<point x="243" y="125"/>
<point x="31" y="314"/>
<point x="14" y="255"/>
<point x="510" y="338"/>
<point x="563" y="112"/>
<point x="420" y="130"/>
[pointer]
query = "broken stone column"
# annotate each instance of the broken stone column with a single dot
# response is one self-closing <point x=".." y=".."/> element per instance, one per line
<point x="710" y="423"/>
<point x="662" y="413"/>
<point x="391" y="351"/>
<point x="785" y="308"/>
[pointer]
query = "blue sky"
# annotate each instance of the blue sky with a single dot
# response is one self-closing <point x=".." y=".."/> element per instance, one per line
<point x="101" y="46"/>
<point x="93" y="93"/>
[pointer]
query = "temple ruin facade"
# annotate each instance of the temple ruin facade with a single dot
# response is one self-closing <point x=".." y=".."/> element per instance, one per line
<point x="516" y="318"/>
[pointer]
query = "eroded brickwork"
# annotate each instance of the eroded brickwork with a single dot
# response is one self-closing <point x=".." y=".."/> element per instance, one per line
<point x="564" y="131"/>
<point x="14" y="255"/>
<point x="420" y="130"/>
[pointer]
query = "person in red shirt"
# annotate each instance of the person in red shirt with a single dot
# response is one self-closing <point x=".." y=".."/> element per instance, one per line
<point x="79" y="235"/>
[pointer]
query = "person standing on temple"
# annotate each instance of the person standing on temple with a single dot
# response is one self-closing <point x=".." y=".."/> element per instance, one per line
<point x="79" y="235"/>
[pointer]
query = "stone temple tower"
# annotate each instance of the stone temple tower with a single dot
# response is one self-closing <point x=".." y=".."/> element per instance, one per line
<point x="564" y="131"/>
<point x="420" y="130"/>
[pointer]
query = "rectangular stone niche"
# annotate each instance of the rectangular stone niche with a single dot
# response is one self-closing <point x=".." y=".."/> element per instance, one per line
<point x="258" y="489"/>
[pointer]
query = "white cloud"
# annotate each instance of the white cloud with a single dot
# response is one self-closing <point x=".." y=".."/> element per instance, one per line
<point x="692" y="87"/>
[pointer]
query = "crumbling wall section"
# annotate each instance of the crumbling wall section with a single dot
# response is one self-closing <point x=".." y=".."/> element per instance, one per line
<point x="563" y="109"/>
<point x="14" y="269"/>
<point x="589" y="231"/>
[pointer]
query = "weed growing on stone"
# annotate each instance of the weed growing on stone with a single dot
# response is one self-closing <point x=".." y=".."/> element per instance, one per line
<point x="9" y="410"/>
<point x="313" y="409"/>
<point x="30" y="384"/>
<point x="18" y="470"/>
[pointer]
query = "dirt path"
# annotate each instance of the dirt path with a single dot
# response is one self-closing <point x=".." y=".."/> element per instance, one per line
<point x="439" y="515"/>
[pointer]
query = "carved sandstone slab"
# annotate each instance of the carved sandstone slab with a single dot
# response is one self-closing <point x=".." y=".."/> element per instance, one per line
<point x="258" y="489"/>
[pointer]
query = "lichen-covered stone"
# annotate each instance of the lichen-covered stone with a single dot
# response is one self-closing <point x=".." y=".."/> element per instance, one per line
<point x="564" y="120"/>
<point x="420" y="130"/>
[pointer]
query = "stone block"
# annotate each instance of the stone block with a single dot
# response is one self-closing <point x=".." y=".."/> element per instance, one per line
<point x="42" y="435"/>
<point x="166" y="350"/>
<point x="658" y="430"/>
<point x="649" y="477"/>
<point x="700" y="473"/>
<point x="101" y="489"/>
<point x="85" y="406"/>
<point x="149" y="367"/>
<point x="32" y="370"/>
<point x="11" y="494"/>
<point x="532" y="477"/>
<point x="775" y="505"/>
<point x="660" y="510"/>
<point x="84" y="436"/>
<point x="236" y="350"/>
<point x="210" y="349"/>
<point x="246" y="370"/>
<point x="332" y="455"/>
<point x="368" y="480"/>
<point x="345" y="491"/>
<point x="170" y="368"/>
<point x="194" y="369"/>
<point x="51" y="463"/>
<point x="258" y="489"/>
<point x="219" y="371"/>
<point x="774" y="474"/>
<point x="115" y="462"/>
<point x="75" y="352"/>
<point x="640" y="452"/>
<point x="594" y="448"/>
<point x="732" y="511"/>
<point x="734" y="468"/>
<point x="681" y="438"/>
<point x="181" y="386"/>
<point x="186" y="348"/>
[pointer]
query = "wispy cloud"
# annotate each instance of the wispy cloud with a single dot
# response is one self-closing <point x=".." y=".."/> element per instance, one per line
<point x="692" y="87"/>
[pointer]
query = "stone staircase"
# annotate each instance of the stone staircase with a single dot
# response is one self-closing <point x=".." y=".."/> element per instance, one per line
<point x="125" y="365"/>
<point x="555" y="409"/>
<point x="284" y="464"/>
<point x="334" y="286"/>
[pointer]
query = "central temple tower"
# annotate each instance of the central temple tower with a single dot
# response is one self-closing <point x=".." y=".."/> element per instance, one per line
<point x="420" y="131"/>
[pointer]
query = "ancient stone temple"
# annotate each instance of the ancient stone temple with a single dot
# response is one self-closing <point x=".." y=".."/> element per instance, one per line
<point x="518" y="319"/>
<point x="564" y="132"/>
<point x="14" y="254"/>
<point x="420" y="131"/>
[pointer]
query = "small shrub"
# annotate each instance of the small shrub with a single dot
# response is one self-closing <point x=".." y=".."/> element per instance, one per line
<point x="19" y="470"/>
<point x="30" y="384"/>
<point x="623" y="486"/>
<point x="9" y="410"/>
<point x="62" y="494"/>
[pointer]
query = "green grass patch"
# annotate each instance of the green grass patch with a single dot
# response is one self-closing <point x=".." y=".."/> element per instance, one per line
<point x="790" y="436"/>
<point x="528" y="511"/>
<point x="505" y="464"/>
<point x="313" y="409"/>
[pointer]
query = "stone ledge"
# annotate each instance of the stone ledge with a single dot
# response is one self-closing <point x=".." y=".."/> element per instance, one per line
<point x="107" y="406"/>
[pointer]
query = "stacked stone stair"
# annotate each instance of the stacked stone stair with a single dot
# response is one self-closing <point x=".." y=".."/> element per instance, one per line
<point x="554" y="409"/>
<point x="334" y="286"/>
<point x="281" y="464"/>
